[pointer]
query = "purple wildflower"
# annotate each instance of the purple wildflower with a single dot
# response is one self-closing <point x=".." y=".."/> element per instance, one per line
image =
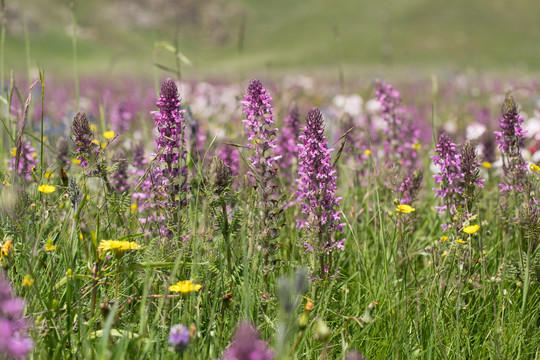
<point x="139" y="161"/>
<point x="286" y="146"/>
<point x="470" y="168"/>
<point x="230" y="157"/>
<point x="317" y="189"/>
<point x="353" y="355"/>
<point x="261" y="134"/>
<point x="170" y="144"/>
<point x="62" y="152"/>
<point x="259" y="122"/>
<point x="141" y="195"/>
<point x="401" y="142"/>
<point x="511" y="139"/>
<point x="450" y="176"/>
<point x="179" y="337"/>
<point x="488" y="147"/>
<point x="410" y="186"/>
<point x="247" y="345"/>
<point x="122" y="115"/>
<point x="401" y="134"/>
<point x="197" y="137"/>
<point x="27" y="160"/>
<point x="119" y="179"/>
<point x="14" y="342"/>
<point x="87" y="148"/>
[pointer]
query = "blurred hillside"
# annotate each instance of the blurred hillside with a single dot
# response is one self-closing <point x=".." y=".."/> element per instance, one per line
<point x="235" y="37"/>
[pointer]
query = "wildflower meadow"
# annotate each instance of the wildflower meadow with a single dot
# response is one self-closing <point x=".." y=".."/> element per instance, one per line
<point x="269" y="217"/>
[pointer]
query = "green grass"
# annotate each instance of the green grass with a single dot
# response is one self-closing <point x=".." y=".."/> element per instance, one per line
<point x="425" y="303"/>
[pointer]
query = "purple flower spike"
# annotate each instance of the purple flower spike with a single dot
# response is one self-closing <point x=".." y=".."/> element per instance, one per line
<point x="511" y="140"/>
<point x="247" y="345"/>
<point x="317" y="189"/>
<point x="27" y="161"/>
<point x="230" y="157"/>
<point x="179" y="337"/>
<point x="259" y="124"/>
<point x="450" y="176"/>
<point x="86" y="147"/>
<point x="287" y="146"/>
<point x="170" y="125"/>
<point x="14" y="343"/>
<point x="119" y="178"/>
<point x="170" y="145"/>
<point x="261" y="134"/>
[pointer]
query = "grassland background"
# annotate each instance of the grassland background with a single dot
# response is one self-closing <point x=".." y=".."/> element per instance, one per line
<point x="280" y="36"/>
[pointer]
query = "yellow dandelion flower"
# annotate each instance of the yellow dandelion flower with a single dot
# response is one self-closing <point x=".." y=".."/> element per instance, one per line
<point x="95" y="141"/>
<point x="47" y="189"/>
<point x="406" y="209"/>
<point x="534" y="167"/>
<point x="14" y="151"/>
<point x="108" y="134"/>
<point x="367" y="152"/>
<point x="185" y="287"/>
<point x="103" y="145"/>
<point x="48" y="175"/>
<point x="76" y="161"/>
<point x="27" y="281"/>
<point x="444" y="238"/>
<point x="486" y="164"/>
<point x="6" y="248"/>
<point x="471" y="229"/>
<point x="118" y="246"/>
<point x="461" y="241"/>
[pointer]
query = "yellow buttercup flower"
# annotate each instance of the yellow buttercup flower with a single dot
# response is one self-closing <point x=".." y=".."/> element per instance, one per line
<point x="185" y="287"/>
<point x="444" y="238"/>
<point x="47" y="189"/>
<point x="406" y="209"/>
<point x="92" y="127"/>
<point x="48" y="175"/>
<point x="95" y="141"/>
<point x="534" y="167"/>
<point x="367" y="152"/>
<point x="416" y="146"/>
<point x="461" y="241"/>
<point x="108" y="134"/>
<point x="76" y="161"/>
<point x="134" y="207"/>
<point x="49" y="246"/>
<point x="27" y="281"/>
<point x="14" y="151"/>
<point x="471" y="229"/>
<point x="486" y="164"/>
